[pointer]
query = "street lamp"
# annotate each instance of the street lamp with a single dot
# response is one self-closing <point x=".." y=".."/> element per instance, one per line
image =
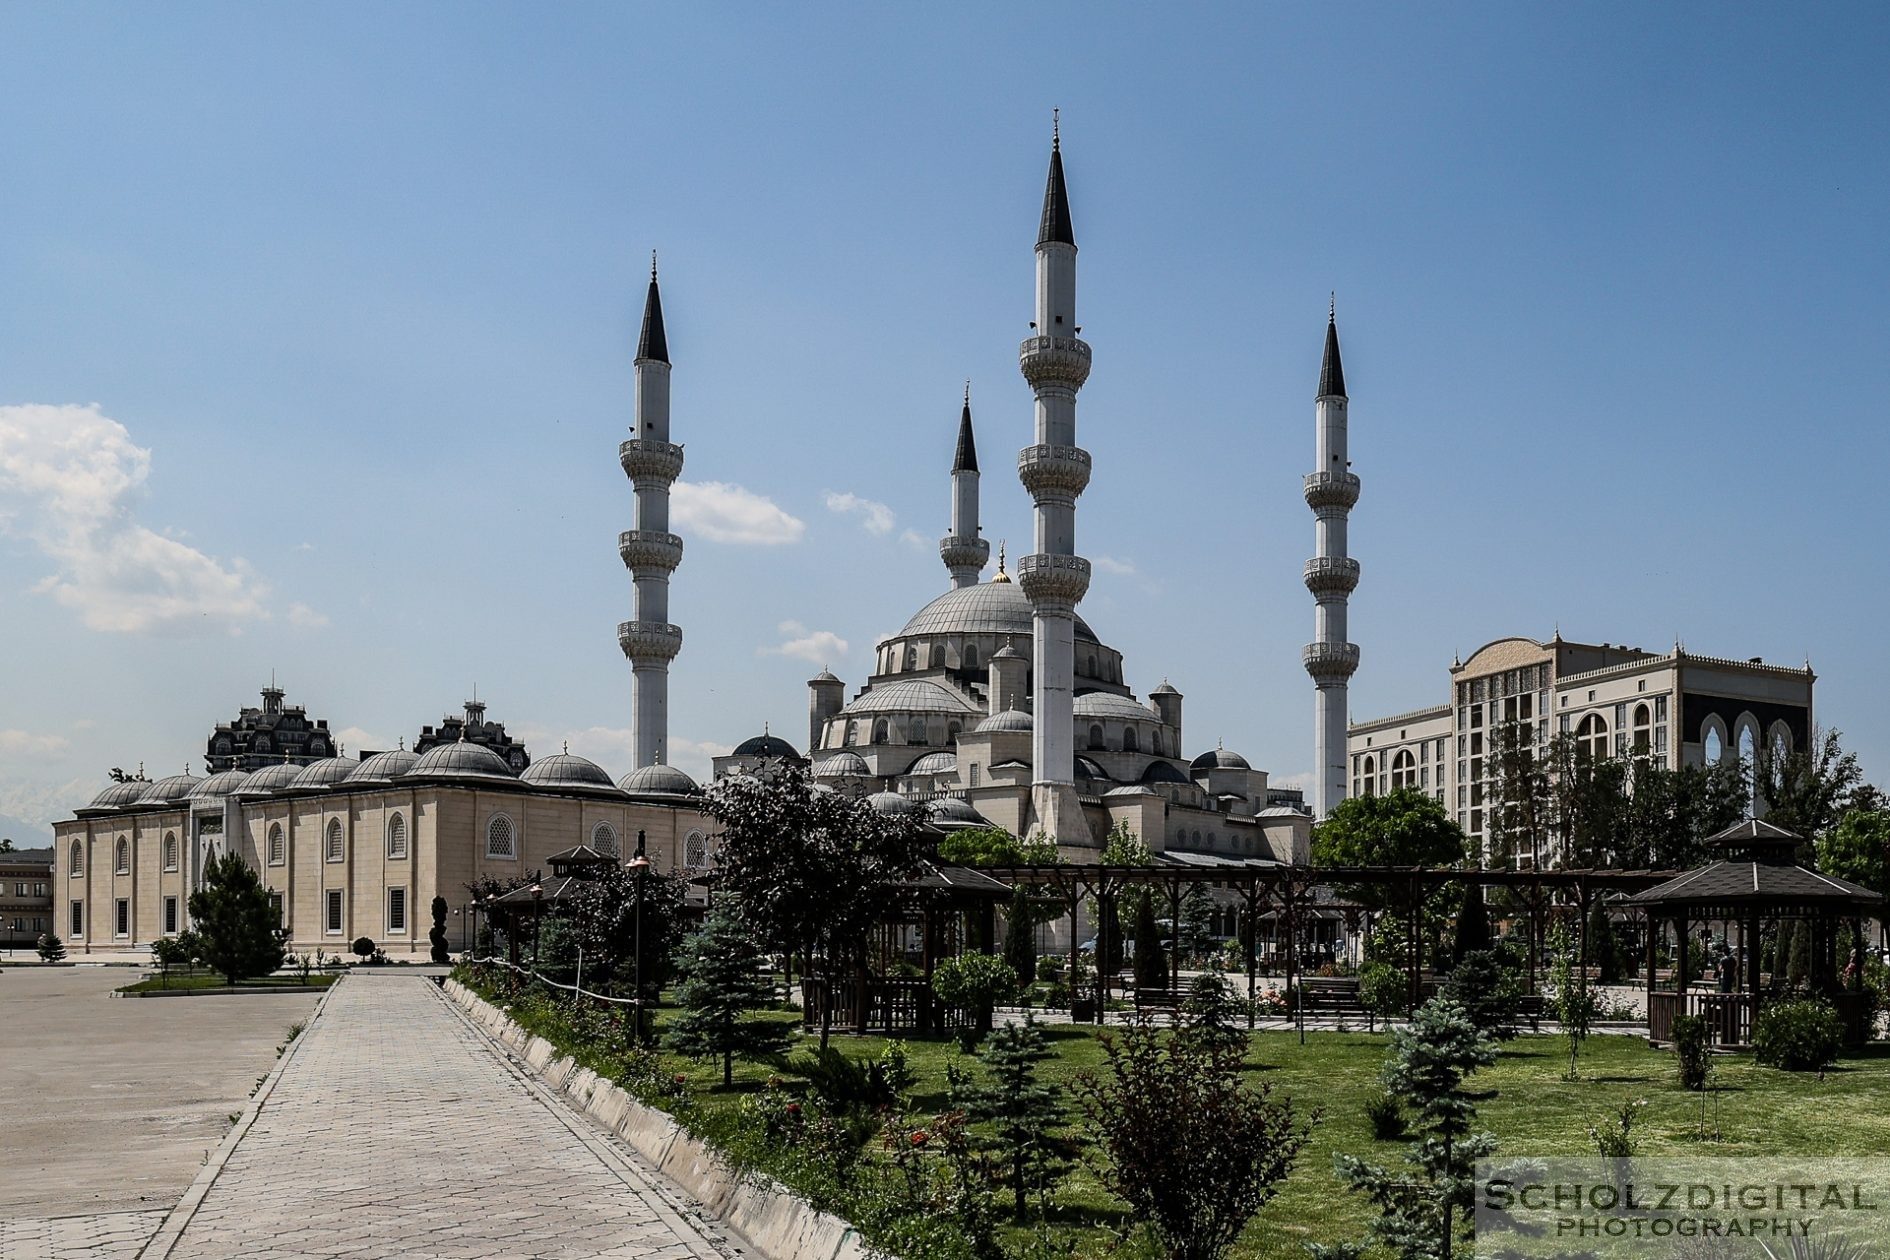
<point x="640" y="865"/>
<point x="538" y="909"/>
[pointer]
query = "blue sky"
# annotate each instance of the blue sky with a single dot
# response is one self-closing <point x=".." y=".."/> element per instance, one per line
<point x="317" y="325"/>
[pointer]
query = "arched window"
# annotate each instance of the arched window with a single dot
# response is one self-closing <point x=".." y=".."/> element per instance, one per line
<point x="275" y="844"/>
<point x="938" y="656"/>
<point x="1371" y="776"/>
<point x="334" y="845"/>
<point x="882" y="731"/>
<point x="170" y="850"/>
<point x="1197" y="839"/>
<point x="853" y="734"/>
<point x="500" y="842"/>
<point x="912" y="658"/>
<point x="122" y="861"/>
<point x="1643" y="729"/>
<point x="952" y="732"/>
<point x="695" y="851"/>
<point x="1715" y="746"/>
<point x="1096" y="738"/>
<point x="78" y="858"/>
<point x="604" y="840"/>
<point x="396" y="836"/>
<point x="1089" y="664"/>
<point x="971" y="656"/>
<point x="1591" y="737"/>
<point x="1780" y="740"/>
<point x="1403" y="769"/>
<point x="1129" y="742"/>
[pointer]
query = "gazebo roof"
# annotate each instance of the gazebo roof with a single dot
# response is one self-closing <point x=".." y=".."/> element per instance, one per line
<point x="959" y="880"/>
<point x="1757" y="873"/>
<point x="559" y="888"/>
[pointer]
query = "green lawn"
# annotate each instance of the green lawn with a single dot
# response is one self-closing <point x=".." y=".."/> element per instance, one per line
<point x="1536" y="1111"/>
<point x="204" y="980"/>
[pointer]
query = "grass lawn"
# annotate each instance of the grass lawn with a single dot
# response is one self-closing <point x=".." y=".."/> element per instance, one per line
<point x="205" y="980"/>
<point x="1536" y="1111"/>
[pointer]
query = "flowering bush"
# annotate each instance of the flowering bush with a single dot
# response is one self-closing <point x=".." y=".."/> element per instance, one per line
<point x="1271" y="1004"/>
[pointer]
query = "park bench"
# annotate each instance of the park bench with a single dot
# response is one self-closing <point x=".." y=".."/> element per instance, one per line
<point x="1158" y="1000"/>
<point x="1335" y="995"/>
<point x="1532" y="1007"/>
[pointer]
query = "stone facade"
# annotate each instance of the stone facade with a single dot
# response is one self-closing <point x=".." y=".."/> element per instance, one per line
<point x="26" y="902"/>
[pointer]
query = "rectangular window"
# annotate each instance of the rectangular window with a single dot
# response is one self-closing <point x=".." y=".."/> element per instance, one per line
<point x="78" y="919"/>
<point x="19" y="890"/>
<point x="974" y="774"/>
<point x="1660" y="708"/>
<point x="170" y="916"/>
<point x="39" y="890"/>
<point x="396" y="910"/>
<point x="1566" y="718"/>
<point x="275" y="904"/>
<point x="124" y="917"/>
<point x="1660" y="740"/>
<point x="1424" y="776"/>
<point x="1440" y="748"/>
<point x="332" y="923"/>
<point x="1620" y="714"/>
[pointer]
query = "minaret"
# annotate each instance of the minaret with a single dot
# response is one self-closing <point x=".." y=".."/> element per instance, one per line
<point x="1056" y="363"/>
<point x="650" y="551"/>
<point x="1331" y="576"/>
<point x="962" y="550"/>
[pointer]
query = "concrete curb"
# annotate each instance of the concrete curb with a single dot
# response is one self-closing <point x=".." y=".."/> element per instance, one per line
<point x="303" y="990"/>
<point x="172" y="1229"/>
<point x="777" y="1224"/>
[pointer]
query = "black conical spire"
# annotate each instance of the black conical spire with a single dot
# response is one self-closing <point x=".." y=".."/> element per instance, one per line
<point x="1056" y="198"/>
<point x="1332" y="372"/>
<point x="966" y="458"/>
<point x="653" y="344"/>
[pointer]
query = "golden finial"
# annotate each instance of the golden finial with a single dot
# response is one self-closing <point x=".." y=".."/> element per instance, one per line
<point x="1002" y="576"/>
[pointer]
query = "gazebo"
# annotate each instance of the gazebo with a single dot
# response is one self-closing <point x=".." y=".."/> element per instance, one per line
<point x="1753" y="880"/>
<point x="570" y="870"/>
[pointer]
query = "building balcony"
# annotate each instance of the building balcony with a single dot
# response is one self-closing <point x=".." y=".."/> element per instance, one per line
<point x="1057" y="362"/>
<point x="1332" y="490"/>
<point x="1330" y="661"/>
<point x="1330" y="575"/>
<point x="1053" y="471"/>
<point x="649" y="640"/>
<point x="969" y="553"/>
<point x="646" y="460"/>
<point x="649" y="549"/>
<point x="1057" y="581"/>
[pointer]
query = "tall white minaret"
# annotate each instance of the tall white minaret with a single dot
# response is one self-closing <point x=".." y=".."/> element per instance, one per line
<point x="1331" y="576"/>
<point x="963" y="550"/>
<point x="650" y="551"/>
<point x="1056" y="363"/>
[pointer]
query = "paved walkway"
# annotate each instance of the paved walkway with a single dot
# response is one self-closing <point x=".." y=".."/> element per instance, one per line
<point x="395" y="1130"/>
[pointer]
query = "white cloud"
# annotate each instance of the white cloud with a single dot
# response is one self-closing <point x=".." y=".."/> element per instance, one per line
<point x="302" y="615"/>
<point x="305" y="546"/>
<point x="26" y="744"/>
<point x="355" y="740"/>
<point x="875" y="518"/>
<point x="817" y="647"/>
<point x="1110" y="564"/>
<point x="69" y="476"/>
<point x="912" y="538"/>
<point x="726" y="513"/>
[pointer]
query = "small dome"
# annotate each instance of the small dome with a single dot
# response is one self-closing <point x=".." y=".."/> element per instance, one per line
<point x="911" y="695"/>
<point x="1162" y="772"/>
<point x="1102" y="704"/>
<point x="164" y="791"/>
<point x="325" y="773"/>
<point x="935" y="763"/>
<point x="566" y="770"/>
<point x="1164" y="690"/>
<point x="273" y="778"/>
<point x="1220" y="759"/>
<point x="844" y="765"/>
<point x="952" y="811"/>
<point x="664" y="780"/>
<point x="384" y="767"/>
<point x="767" y="746"/>
<point x="460" y="760"/>
<point x="1008" y="652"/>
<point x="995" y="607"/>
<point x="119" y="794"/>
<point x="890" y="803"/>
<point x="218" y="785"/>
<point x="1009" y="720"/>
<point x="824" y="676"/>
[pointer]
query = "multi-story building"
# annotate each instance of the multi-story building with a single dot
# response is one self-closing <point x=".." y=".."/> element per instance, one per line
<point x="25" y="896"/>
<point x="1676" y="708"/>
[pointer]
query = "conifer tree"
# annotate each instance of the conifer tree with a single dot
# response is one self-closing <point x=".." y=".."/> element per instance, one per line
<point x="1473" y="924"/>
<point x="1604" y="948"/>
<point x="721" y="982"/>
<point x="1024" y="1111"/>
<point x="51" y="948"/>
<point x="235" y="920"/>
<point x="1020" y="938"/>
<point x="1151" y="970"/>
<point x="436" y="938"/>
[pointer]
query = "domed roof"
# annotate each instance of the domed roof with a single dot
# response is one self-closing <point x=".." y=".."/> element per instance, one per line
<point x="890" y="803"/>
<point x="986" y="608"/>
<point x="1162" y="772"/>
<point x="952" y="811"/>
<point x="844" y="765"/>
<point x="666" y="780"/>
<point x="461" y="759"/>
<point x="911" y="695"/>
<point x="1129" y="789"/>
<point x="384" y="766"/>
<point x="273" y="778"/>
<point x="1105" y="705"/>
<point x="1008" y="652"/>
<point x="1009" y="720"/>
<point x="935" y="763"/>
<point x="1165" y="689"/>
<point x="824" y="676"/>
<point x="118" y="794"/>
<point x="566" y="770"/>
<point x="1088" y="768"/>
<point x="767" y="746"/>
<point x="325" y="773"/>
<point x="218" y="785"/>
<point x="164" y="791"/>
<point x="1220" y="759"/>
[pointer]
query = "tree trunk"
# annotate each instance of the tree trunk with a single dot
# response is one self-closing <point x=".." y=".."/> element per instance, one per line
<point x="728" y="1069"/>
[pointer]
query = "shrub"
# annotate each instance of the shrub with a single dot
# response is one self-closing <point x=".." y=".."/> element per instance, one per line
<point x="1690" y="1051"/>
<point x="1213" y="1012"/>
<point x="1486" y="992"/>
<point x="363" y="948"/>
<point x="436" y="936"/>
<point x="1801" y="1035"/>
<point x="974" y="982"/>
<point x="1614" y="1137"/>
<point x="1385" y="1114"/>
<point x="51" y="948"/>
<point x="1382" y="989"/>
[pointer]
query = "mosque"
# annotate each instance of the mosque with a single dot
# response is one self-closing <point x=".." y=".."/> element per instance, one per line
<point x="996" y="705"/>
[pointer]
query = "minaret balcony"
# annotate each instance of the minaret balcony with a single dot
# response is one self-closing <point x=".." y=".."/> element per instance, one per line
<point x="1331" y="575"/>
<point x="649" y="549"/>
<point x="647" y="460"/>
<point x="1332" y="490"/>
<point x="1054" y="361"/>
<point x="1060" y="471"/>
<point x="1329" y="662"/>
<point x="649" y="640"/>
<point x="957" y="552"/>
<point x="1052" y="579"/>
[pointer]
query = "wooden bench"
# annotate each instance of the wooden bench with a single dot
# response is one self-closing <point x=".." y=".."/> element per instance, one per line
<point x="1158" y="1000"/>
<point x="1532" y="1007"/>
<point x="1335" y="995"/>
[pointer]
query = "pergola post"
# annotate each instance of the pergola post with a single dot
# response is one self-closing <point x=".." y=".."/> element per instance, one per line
<point x="1248" y="934"/>
<point x="1174" y="928"/>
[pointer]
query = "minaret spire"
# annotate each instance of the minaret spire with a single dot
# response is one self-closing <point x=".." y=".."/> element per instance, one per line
<point x="1055" y="361"/>
<point x="650" y="551"/>
<point x="1331" y="575"/>
<point x="964" y="549"/>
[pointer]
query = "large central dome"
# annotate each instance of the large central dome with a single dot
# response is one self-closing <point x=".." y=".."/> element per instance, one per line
<point x="987" y="608"/>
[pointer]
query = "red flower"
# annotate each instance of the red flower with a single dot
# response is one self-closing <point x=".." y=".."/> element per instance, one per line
<point x="794" y="1109"/>
<point x="920" y="1137"/>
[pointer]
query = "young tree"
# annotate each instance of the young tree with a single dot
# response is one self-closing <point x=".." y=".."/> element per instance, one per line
<point x="436" y="938"/>
<point x="1192" y="935"/>
<point x="1151" y="968"/>
<point x="1473" y="924"/>
<point x="1020" y="937"/>
<point x="1213" y="1013"/>
<point x="51" y="948"/>
<point x="1808" y="789"/>
<point x="722" y="979"/>
<point x="1403" y="828"/>
<point x="1193" y="1151"/>
<point x="1487" y="993"/>
<point x="812" y="872"/>
<point x="1426" y="1216"/>
<point x="605" y="924"/>
<point x="168" y="952"/>
<point x="973" y="983"/>
<point x="1519" y="801"/>
<point x="1574" y="1002"/>
<point x="1604" y="947"/>
<point x="1024" y="1112"/>
<point x="1858" y="849"/>
<point x="235" y="921"/>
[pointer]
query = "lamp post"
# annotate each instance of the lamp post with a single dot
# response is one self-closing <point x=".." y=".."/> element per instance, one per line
<point x="640" y="865"/>
<point x="538" y="909"/>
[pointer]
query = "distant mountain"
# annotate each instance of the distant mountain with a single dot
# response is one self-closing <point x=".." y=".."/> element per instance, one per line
<point x="25" y="835"/>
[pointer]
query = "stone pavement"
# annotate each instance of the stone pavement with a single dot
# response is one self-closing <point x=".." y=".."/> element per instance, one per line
<point x="100" y="1236"/>
<point x="394" y="1129"/>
